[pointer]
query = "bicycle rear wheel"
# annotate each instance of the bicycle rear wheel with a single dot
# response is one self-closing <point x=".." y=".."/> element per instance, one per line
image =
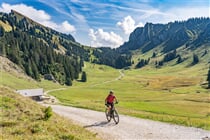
<point x="108" y="116"/>
<point x="116" y="117"/>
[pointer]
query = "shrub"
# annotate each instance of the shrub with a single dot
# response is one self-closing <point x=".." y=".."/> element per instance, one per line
<point x="47" y="113"/>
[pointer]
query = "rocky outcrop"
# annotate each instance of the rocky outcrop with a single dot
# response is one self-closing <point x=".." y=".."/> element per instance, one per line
<point x="170" y="36"/>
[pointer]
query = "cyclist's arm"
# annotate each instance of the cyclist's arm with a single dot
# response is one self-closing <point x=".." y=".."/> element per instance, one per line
<point x="116" y="101"/>
<point x="106" y="101"/>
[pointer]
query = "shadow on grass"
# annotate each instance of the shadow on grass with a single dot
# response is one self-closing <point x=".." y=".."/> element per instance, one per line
<point x="100" y="124"/>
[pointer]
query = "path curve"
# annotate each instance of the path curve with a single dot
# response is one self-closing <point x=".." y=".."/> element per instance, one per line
<point x="129" y="128"/>
<point x="109" y="81"/>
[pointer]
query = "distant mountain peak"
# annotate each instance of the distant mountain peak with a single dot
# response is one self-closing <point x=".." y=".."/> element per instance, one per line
<point x="169" y="36"/>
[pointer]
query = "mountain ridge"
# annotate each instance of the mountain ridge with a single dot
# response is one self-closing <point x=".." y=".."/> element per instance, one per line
<point x="31" y="21"/>
<point x="171" y="35"/>
<point x="166" y="41"/>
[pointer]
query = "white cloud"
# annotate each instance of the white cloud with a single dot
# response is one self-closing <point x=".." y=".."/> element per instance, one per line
<point x="99" y="38"/>
<point x="67" y="27"/>
<point x="39" y="16"/>
<point x="128" y="24"/>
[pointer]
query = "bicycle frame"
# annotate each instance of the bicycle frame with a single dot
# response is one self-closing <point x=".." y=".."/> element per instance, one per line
<point x="112" y="113"/>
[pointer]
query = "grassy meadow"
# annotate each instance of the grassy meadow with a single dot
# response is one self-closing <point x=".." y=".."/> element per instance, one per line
<point x="169" y="94"/>
<point x="22" y="118"/>
<point x="18" y="82"/>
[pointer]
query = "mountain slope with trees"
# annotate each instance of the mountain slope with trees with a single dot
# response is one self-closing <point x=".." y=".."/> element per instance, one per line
<point x="175" y="43"/>
<point x="40" y="50"/>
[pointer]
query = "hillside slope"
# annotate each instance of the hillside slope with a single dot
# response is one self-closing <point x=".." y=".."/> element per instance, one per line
<point x="22" y="118"/>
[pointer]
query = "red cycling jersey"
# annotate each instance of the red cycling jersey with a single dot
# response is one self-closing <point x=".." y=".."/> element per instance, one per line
<point x="110" y="98"/>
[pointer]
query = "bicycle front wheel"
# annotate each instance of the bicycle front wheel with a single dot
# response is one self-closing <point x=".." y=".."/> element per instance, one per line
<point x="108" y="116"/>
<point x="116" y="117"/>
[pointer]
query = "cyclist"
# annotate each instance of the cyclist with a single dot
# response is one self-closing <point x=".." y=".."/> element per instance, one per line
<point x="109" y="101"/>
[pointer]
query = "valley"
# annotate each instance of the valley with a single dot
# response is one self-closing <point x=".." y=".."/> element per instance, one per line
<point x="161" y="74"/>
<point x="166" y="94"/>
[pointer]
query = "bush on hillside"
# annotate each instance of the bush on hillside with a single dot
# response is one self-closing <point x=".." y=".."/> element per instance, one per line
<point x="47" y="113"/>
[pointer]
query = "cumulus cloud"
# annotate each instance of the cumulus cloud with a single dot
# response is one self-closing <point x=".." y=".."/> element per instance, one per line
<point x="100" y="38"/>
<point x="39" y="16"/>
<point x="128" y="24"/>
<point x="67" y="27"/>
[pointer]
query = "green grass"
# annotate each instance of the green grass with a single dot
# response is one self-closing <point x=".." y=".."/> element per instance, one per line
<point x="170" y="94"/>
<point x="22" y="118"/>
<point x="18" y="82"/>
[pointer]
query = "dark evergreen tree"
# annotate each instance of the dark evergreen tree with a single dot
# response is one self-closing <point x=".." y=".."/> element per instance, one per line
<point x="1" y="31"/>
<point x="35" y="71"/>
<point x="179" y="60"/>
<point x="2" y="49"/>
<point x="84" y="77"/>
<point x="153" y="55"/>
<point x="195" y="59"/>
<point x="142" y="63"/>
<point x="169" y="56"/>
<point x="68" y="82"/>
<point x="208" y="78"/>
<point x="28" y="68"/>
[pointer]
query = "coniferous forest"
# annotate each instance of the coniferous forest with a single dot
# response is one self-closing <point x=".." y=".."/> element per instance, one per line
<point x="37" y="58"/>
<point x="39" y="50"/>
<point x="34" y="52"/>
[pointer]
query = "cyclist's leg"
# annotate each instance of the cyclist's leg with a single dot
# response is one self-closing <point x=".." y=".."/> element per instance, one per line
<point x="112" y="107"/>
<point x="109" y="106"/>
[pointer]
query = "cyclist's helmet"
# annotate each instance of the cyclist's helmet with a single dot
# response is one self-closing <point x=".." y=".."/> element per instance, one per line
<point x="111" y="91"/>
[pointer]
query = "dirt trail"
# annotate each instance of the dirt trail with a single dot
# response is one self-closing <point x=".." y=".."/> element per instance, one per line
<point x="109" y="81"/>
<point x="129" y="128"/>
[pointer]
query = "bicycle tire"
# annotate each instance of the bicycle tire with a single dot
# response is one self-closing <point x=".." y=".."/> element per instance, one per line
<point x="116" y="117"/>
<point x="108" y="116"/>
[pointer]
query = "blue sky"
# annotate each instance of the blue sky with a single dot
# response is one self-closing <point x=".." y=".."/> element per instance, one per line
<point x="105" y="22"/>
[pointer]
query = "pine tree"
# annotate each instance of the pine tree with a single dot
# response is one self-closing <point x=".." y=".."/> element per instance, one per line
<point x="35" y="71"/>
<point x="2" y="49"/>
<point x="195" y="59"/>
<point x="84" y="77"/>
<point x="179" y="60"/>
<point x="1" y="31"/>
<point x="208" y="78"/>
<point x="68" y="82"/>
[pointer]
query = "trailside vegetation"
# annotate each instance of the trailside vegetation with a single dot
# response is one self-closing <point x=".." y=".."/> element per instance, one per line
<point x="22" y="118"/>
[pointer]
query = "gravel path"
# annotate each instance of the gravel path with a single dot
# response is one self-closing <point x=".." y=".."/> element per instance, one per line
<point x="129" y="128"/>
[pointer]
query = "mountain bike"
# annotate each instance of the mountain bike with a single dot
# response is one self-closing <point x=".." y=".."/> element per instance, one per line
<point x="112" y="114"/>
